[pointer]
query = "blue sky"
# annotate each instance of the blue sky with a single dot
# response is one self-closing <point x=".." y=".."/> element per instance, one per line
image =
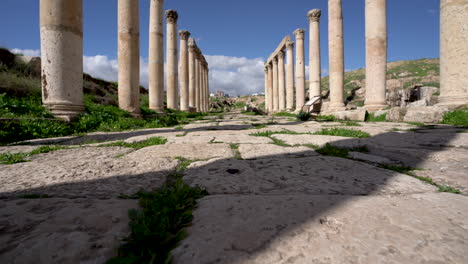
<point x="235" y="35"/>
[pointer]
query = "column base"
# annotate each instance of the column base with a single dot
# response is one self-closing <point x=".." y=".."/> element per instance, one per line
<point x="453" y="102"/>
<point x="66" y="112"/>
<point x="336" y="107"/>
<point x="374" y="107"/>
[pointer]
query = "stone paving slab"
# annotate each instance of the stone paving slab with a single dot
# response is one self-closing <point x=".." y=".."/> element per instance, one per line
<point x="310" y="175"/>
<point x="320" y="140"/>
<point x="258" y="151"/>
<point x="304" y="229"/>
<point x="62" y="230"/>
<point x="191" y="151"/>
<point x="85" y="172"/>
<point x="161" y="134"/>
<point x="420" y="140"/>
<point x="18" y="148"/>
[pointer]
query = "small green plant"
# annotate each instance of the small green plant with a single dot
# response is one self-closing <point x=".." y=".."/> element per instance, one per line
<point x="138" y="145"/>
<point x="329" y="150"/>
<point x="250" y="113"/>
<point x="312" y="146"/>
<point x="303" y="116"/>
<point x="258" y="126"/>
<point x="351" y="123"/>
<point x="343" y="132"/>
<point x="400" y="169"/>
<point x="327" y="118"/>
<point x="457" y="117"/>
<point x="449" y="189"/>
<point x="33" y="196"/>
<point x="46" y="149"/>
<point x="239" y="104"/>
<point x="371" y="117"/>
<point x="284" y="114"/>
<point x="279" y="142"/>
<point x="235" y="149"/>
<point x="183" y="134"/>
<point x="12" y="158"/>
<point x="179" y="128"/>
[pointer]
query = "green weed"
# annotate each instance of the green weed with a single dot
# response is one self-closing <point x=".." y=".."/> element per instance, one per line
<point x="138" y="145"/>
<point x="342" y="132"/>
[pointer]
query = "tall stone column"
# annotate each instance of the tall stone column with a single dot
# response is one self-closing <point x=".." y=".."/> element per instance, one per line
<point x="453" y="53"/>
<point x="376" y="54"/>
<point x="289" y="75"/>
<point x="156" y="56"/>
<point x="266" y="87"/>
<point x="281" y="82"/>
<point x="184" y="71"/>
<point x="202" y="88"/>
<point x="62" y="57"/>
<point x="208" y="88"/>
<point x="197" y="85"/>
<point x="192" y="79"/>
<point x="300" y="69"/>
<point x="171" y="59"/>
<point x="275" y="85"/>
<point x="336" y="54"/>
<point x="129" y="56"/>
<point x="314" y="52"/>
<point x="270" y="87"/>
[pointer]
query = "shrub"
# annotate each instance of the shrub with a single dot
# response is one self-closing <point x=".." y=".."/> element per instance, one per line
<point x="457" y="117"/>
<point x="303" y="116"/>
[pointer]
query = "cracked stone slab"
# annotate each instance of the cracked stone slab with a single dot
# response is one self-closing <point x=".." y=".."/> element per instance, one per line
<point x="303" y="229"/>
<point x="18" y="148"/>
<point x="309" y="175"/>
<point x="418" y="140"/>
<point x="145" y="137"/>
<point x="258" y="151"/>
<point x="320" y="140"/>
<point x="372" y="158"/>
<point x="60" y="230"/>
<point x="86" y="172"/>
<point x="191" y="151"/>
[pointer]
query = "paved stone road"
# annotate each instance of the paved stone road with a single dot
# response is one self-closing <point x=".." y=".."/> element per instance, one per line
<point x="267" y="204"/>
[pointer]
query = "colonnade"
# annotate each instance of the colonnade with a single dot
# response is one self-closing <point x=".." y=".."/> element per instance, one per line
<point x="61" y="25"/>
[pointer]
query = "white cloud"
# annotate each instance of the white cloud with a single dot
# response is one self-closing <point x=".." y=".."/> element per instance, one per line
<point x="27" y="52"/>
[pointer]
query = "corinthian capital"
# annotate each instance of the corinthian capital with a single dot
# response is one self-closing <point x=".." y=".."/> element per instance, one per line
<point x="289" y="45"/>
<point x="184" y="34"/>
<point x="314" y="15"/>
<point x="171" y="16"/>
<point x="281" y="54"/>
<point x="299" y="33"/>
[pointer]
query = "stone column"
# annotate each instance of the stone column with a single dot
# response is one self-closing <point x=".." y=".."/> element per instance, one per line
<point x="314" y="52"/>
<point x="156" y="56"/>
<point x="281" y="82"/>
<point x="129" y="56"/>
<point x="376" y="54"/>
<point x="197" y="83"/>
<point x="184" y="71"/>
<point x="300" y="69"/>
<point x="270" y="87"/>
<point x="202" y="88"/>
<point x="266" y="88"/>
<point x="275" y="85"/>
<point x="171" y="59"/>
<point x="62" y="57"/>
<point x="208" y="88"/>
<point x="192" y="79"/>
<point x="289" y="76"/>
<point x="453" y="53"/>
<point x="336" y="54"/>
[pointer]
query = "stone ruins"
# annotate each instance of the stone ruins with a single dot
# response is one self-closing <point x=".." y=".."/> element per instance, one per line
<point x="62" y="60"/>
<point x="280" y="96"/>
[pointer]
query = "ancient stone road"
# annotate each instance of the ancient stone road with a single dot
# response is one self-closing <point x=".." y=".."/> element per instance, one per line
<point x="273" y="204"/>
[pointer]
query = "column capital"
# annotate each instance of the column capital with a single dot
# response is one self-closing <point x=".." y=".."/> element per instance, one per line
<point x="275" y="60"/>
<point x="184" y="34"/>
<point x="171" y="16"/>
<point x="280" y="54"/>
<point x="269" y="66"/>
<point x="299" y="33"/>
<point x="289" y="44"/>
<point x="314" y="15"/>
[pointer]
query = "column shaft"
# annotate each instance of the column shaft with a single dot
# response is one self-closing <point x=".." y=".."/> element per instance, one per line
<point x="289" y="76"/>
<point x="62" y="57"/>
<point x="156" y="56"/>
<point x="184" y="71"/>
<point x="336" y="54"/>
<point x="281" y="82"/>
<point x="314" y="53"/>
<point x="197" y="85"/>
<point x="171" y="59"/>
<point x="192" y="78"/>
<point x="208" y="88"/>
<point x="266" y="88"/>
<point x="376" y="54"/>
<point x="300" y="69"/>
<point x="129" y="56"/>
<point x="275" y="85"/>
<point x="270" y="87"/>
<point x="453" y="52"/>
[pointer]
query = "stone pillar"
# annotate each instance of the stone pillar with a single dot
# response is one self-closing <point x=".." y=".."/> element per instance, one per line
<point x="156" y="56"/>
<point x="336" y="54"/>
<point x="453" y="53"/>
<point x="300" y="69"/>
<point x="270" y="87"/>
<point x="184" y="71"/>
<point x="289" y="76"/>
<point x="197" y="83"/>
<point x="171" y="59"/>
<point x="192" y="79"/>
<point x="62" y="57"/>
<point x="281" y="82"/>
<point x="275" y="85"/>
<point x="208" y="87"/>
<point x="129" y="56"/>
<point x="314" y="52"/>
<point x="266" y="88"/>
<point x="376" y="54"/>
<point x="202" y="88"/>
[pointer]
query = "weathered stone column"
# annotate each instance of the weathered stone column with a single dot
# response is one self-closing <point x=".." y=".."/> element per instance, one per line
<point x="192" y="79"/>
<point x="281" y="82"/>
<point x="314" y="52"/>
<point x="184" y="71"/>
<point x="300" y="69"/>
<point x="266" y="88"/>
<point x="270" y="87"/>
<point x="336" y="54"/>
<point x="453" y="53"/>
<point x="156" y="56"/>
<point x="202" y="87"/>
<point x="197" y="80"/>
<point x="62" y="57"/>
<point x="376" y="54"/>
<point x="129" y="56"/>
<point x="275" y="85"/>
<point x="208" y="87"/>
<point x="289" y="75"/>
<point x="171" y="59"/>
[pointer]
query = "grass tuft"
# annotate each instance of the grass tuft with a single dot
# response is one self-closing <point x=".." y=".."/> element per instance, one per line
<point x="343" y="133"/>
<point x="138" y="145"/>
<point x="12" y="158"/>
<point x="326" y="118"/>
<point x="457" y="117"/>
<point x="371" y="117"/>
<point x="235" y="149"/>
<point x="284" y="114"/>
<point x="350" y="123"/>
